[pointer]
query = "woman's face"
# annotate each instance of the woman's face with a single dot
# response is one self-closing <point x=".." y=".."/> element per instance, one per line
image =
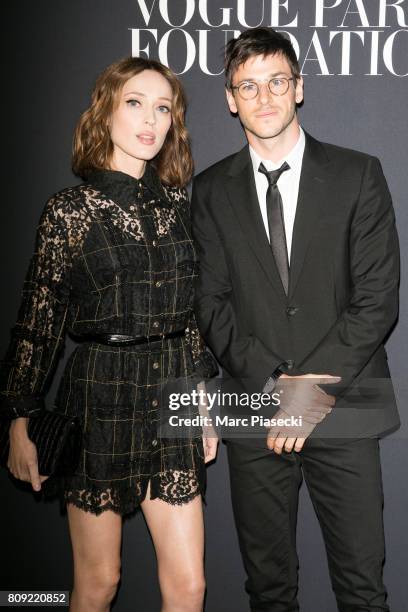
<point x="140" y="122"/>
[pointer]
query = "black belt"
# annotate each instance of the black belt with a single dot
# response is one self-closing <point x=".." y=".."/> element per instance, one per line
<point x="124" y="340"/>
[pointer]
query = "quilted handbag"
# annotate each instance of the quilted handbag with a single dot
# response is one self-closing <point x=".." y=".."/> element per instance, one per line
<point x="56" y="437"/>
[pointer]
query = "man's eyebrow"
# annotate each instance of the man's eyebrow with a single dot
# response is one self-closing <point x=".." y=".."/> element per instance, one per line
<point x="139" y="93"/>
<point x="270" y="76"/>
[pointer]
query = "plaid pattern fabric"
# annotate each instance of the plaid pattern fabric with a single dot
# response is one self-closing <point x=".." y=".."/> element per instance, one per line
<point x="113" y="255"/>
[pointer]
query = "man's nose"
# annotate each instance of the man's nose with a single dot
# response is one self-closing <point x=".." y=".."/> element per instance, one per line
<point x="264" y="93"/>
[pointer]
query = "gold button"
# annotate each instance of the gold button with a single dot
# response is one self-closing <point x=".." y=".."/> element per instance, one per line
<point x="155" y="402"/>
<point x="155" y="324"/>
<point x="154" y="442"/>
<point x="158" y="283"/>
<point x="156" y="365"/>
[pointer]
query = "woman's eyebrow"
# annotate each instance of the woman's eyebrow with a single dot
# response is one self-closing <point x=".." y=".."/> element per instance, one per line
<point x="139" y="93"/>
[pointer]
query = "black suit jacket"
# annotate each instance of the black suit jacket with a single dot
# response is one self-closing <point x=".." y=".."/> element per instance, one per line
<point x="343" y="287"/>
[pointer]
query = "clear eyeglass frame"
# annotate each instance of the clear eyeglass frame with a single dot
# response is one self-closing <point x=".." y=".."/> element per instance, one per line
<point x="248" y="90"/>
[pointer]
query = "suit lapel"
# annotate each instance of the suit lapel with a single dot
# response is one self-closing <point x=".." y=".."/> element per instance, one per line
<point x="313" y="193"/>
<point x="241" y="190"/>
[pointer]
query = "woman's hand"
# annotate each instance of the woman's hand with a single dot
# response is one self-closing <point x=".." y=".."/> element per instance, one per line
<point x="210" y="443"/>
<point x="22" y="460"/>
<point x="210" y="437"/>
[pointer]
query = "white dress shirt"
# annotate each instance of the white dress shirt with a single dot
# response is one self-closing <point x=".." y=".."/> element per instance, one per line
<point x="288" y="185"/>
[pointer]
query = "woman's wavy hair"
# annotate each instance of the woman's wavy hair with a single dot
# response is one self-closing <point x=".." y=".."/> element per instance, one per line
<point x="92" y="145"/>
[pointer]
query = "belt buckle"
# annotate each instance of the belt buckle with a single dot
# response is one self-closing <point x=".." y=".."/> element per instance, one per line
<point x="116" y="338"/>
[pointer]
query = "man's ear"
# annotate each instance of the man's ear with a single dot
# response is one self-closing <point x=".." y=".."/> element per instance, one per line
<point x="299" y="90"/>
<point x="231" y="101"/>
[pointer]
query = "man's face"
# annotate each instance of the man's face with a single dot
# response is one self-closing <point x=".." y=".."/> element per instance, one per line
<point x="267" y="115"/>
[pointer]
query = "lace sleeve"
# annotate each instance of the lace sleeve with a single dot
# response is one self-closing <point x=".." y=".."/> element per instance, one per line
<point x="38" y="335"/>
<point x="205" y="364"/>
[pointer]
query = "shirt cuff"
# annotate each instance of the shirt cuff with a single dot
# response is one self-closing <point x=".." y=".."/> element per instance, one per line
<point x="270" y="383"/>
<point x="206" y="366"/>
<point x="13" y="407"/>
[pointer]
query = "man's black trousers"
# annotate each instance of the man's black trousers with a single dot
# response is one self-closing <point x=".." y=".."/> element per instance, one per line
<point x="344" y="482"/>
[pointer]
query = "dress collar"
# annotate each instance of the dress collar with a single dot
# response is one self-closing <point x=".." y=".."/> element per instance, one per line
<point x="126" y="189"/>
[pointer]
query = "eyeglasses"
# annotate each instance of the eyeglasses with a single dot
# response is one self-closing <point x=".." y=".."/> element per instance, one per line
<point x="278" y="86"/>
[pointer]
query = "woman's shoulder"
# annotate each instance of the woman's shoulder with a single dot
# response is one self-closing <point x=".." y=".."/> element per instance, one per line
<point x="68" y="203"/>
<point x="68" y="215"/>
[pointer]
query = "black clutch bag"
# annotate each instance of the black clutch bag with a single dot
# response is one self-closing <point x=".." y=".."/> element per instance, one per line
<point x="56" y="437"/>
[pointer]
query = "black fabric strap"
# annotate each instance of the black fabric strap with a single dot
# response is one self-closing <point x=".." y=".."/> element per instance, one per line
<point x="124" y="340"/>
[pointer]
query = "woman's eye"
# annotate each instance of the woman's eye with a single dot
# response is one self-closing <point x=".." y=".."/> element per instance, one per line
<point x="164" y="109"/>
<point x="133" y="102"/>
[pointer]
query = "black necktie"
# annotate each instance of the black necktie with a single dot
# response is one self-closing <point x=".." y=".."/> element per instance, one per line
<point x="276" y="225"/>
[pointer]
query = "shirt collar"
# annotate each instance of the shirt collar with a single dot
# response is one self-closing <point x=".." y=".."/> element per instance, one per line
<point x="293" y="158"/>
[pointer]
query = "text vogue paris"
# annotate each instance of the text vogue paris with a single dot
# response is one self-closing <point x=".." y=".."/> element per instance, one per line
<point x="347" y="37"/>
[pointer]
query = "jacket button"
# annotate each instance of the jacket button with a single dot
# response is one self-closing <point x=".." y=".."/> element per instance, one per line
<point x="291" y="310"/>
<point x="154" y="243"/>
<point x="290" y="364"/>
<point x="155" y="324"/>
<point x="155" y="402"/>
<point x="156" y="365"/>
<point x="154" y="442"/>
<point x="158" y="283"/>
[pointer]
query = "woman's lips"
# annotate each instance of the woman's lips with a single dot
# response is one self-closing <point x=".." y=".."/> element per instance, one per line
<point x="147" y="139"/>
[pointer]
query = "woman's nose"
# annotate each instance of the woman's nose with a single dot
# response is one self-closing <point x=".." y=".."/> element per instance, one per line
<point x="150" y="118"/>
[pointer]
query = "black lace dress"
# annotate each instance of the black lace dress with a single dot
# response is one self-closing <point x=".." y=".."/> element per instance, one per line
<point x="113" y="255"/>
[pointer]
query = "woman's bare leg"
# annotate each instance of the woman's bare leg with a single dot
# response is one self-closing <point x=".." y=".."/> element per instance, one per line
<point x="96" y="542"/>
<point x="178" y="537"/>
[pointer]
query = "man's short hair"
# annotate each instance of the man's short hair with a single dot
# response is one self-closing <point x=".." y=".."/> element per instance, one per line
<point x="258" y="41"/>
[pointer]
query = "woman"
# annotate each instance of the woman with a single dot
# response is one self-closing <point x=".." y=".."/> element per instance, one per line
<point x="114" y="266"/>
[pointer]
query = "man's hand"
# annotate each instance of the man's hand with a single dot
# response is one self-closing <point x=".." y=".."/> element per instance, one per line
<point x="302" y="398"/>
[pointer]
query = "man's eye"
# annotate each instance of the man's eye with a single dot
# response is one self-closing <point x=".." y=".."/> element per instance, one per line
<point x="133" y="102"/>
<point x="277" y="82"/>
<point x="248" y="86"/>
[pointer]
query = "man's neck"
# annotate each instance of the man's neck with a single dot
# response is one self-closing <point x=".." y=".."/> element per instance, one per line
<point x="277" y="147"/>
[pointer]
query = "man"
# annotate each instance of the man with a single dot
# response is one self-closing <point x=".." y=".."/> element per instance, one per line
<point x="298" y="283"/>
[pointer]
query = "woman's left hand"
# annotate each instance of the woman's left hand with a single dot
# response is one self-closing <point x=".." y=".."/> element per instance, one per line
<point x="210" y="443"/>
